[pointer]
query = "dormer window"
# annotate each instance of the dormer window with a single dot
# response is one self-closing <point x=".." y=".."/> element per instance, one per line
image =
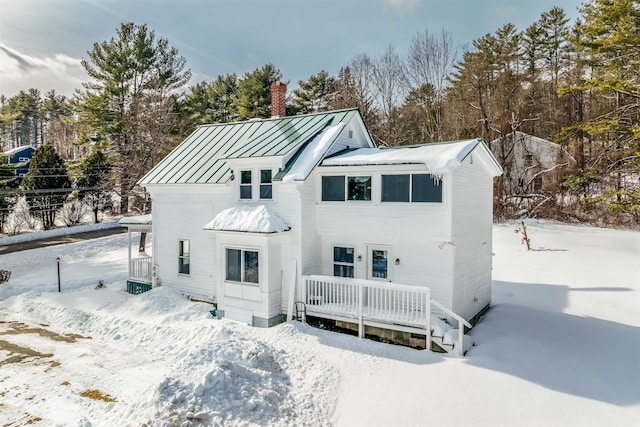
<point x="266" y="188"/>
<point x="245" y="185"/>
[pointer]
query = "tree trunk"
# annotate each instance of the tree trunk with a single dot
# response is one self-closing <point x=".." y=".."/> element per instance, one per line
<point x="143" y="242"/>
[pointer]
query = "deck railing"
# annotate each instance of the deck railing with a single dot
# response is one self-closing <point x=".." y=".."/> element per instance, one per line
<point x="141" y="268"/>
<point x="383" y="304"/>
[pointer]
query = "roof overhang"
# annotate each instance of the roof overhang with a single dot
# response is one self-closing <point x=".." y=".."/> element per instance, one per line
<point x="141" y="223"/>
<point x="439" y="158"/>
<point x="247" y="219"/>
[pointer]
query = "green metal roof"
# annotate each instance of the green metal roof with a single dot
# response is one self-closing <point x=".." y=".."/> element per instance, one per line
<point x="201" y="158"/>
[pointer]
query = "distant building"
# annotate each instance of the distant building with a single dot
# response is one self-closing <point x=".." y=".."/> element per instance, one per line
<point x="21" y="157"/>
<point x="531" y="164"/>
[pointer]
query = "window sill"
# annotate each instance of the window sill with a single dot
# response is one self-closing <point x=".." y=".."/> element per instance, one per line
<point x="231" y="282"/>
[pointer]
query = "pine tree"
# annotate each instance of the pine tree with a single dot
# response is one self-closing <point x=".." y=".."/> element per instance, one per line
<point x="311" y="96"/>
<point x="210" y="102"/>
<point x="93" y="182"/>
<point x="47" y="184"/>
<point x="253" y="98"/>
<point x="130" y="102"/>
<point x="608" y="42"/>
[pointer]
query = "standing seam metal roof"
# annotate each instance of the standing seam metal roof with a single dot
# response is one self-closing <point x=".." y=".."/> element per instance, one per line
<point x="201" y="157"/>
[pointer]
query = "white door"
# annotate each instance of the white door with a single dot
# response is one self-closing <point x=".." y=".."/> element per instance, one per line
<point x="379" y="263"/>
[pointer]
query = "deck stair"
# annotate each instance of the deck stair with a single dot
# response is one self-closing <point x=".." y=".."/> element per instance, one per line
<point x="446" y="337"/>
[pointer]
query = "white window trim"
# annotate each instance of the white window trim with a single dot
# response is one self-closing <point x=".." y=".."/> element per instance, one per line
<point x="183" y="257"/>
<point x="355" y="258"/>
<point x="243" y="249"/>
<point x="382" y="175"/>
<point x="390" y="262"/>
<point x="346" y="188"/>
<point x="260" y="184"/>
<point x="240" y="185"/>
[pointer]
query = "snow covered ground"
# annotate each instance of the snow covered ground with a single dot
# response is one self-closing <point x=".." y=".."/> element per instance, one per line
<point x="561" y="346"/>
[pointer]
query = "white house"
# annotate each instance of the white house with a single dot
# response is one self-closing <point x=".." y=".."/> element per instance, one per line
<point x="255" y="216"/>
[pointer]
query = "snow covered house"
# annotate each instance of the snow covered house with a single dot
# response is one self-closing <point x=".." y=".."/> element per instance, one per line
<point x="256" y="216"/>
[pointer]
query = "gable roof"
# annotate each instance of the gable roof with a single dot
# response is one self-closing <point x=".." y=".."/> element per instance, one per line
<point x="439" y="157"/>
<point x="201" y="158"/>
<point x="18" y="149"/>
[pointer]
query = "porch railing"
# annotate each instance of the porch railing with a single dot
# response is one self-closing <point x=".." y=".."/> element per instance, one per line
<point x="382" y="304"/>
<point x="141" y="268"/>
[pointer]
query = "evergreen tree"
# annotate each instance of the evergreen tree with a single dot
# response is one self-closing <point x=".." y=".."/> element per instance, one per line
<point x="210" y="102"/>
<point x="311" y="96"/>
<point x="253" y="98"/>
<point x="46" y="185"/>
<point x="130" y="101"/>
<point x="608" y="41"/>
<point x="93" y="188"/>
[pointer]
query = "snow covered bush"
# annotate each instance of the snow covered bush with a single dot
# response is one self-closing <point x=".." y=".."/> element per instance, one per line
<point x="73" y="213"/>
<point x="20" y="219"/>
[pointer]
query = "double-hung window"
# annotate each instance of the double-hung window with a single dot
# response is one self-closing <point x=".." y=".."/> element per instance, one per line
<point x="242" y="266"/>
<point x="245" y="185"/>
<point x="184" y="257"/>
<point x="266" y="187"/>
<point x="411" y="188"/>
<point x="340" y="188"/>
<point x="343" y="265"/>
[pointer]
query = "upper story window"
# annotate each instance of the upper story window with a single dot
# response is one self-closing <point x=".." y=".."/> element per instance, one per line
<point x="266" y="187"/>
<point x="528" y="159"/>
<point x="359" y="188"/>
<point x="340" y="188"/>
<point x="245" y="185"/>
<point x="411" y="188"/>
<point x="184" y="257"/>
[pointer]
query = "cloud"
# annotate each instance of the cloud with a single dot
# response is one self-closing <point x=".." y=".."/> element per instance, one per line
<point x="404" y="6"/>
<point x="20" y="71"/>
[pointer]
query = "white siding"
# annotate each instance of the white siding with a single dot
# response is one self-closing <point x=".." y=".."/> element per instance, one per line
<point x="181" y="215"/>
<point x="413" y="232"/>
<point x="358" y="138"/>
<point x="472" y="217"/>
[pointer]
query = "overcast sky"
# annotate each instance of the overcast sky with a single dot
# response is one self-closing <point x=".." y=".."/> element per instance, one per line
<point x="42" y="41"/>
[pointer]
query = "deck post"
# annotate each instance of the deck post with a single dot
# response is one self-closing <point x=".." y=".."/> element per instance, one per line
<point x="360" y="303"/>
<point x="461" y="338"/>
<point x="428" y="304"/>
<point x="129" y="261"/>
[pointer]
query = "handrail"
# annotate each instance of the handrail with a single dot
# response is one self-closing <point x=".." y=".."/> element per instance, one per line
<point x="141" y="268"/>
<point x="461" y="323"/>
<point x="370" y="301"/>
<point x="368" y="283"/>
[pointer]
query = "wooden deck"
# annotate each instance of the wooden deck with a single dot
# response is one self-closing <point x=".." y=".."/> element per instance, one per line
<point x="384" y="305"/>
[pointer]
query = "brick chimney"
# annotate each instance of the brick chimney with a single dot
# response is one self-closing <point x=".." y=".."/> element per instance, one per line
<point x="278" y="101"/>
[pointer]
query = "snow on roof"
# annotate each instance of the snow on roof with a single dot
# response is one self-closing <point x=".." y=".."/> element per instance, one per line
<point x="17" y="149"/>
<point x="136" y="220"/>
<point x="315" y="151"/>
<point x="439" y="157"/>
<point x="252" y="219"/>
